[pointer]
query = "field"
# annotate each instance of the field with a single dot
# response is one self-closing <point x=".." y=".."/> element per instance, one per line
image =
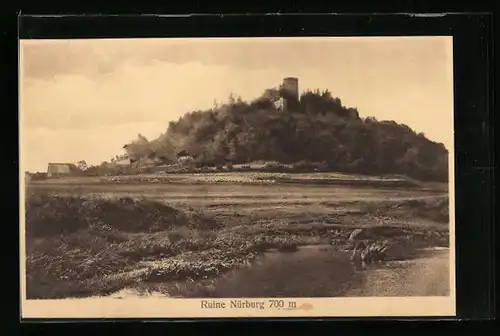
<point x="87" y="238"/>
<point x="246" y="178"/>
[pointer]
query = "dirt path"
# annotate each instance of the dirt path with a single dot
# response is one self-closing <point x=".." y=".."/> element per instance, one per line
<point x="426" y="276"/>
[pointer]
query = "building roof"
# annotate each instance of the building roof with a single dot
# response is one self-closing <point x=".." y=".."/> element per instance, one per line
<point x="183" y="153"/>
<point x="62" y="168"/>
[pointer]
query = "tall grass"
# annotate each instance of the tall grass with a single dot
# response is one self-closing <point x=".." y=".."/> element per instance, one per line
<point x="77" y="245"/>
<point x="82" y="245"/>
<point x="48" y="215"/>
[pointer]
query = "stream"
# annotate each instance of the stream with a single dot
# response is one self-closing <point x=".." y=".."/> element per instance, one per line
<point x="314" y="271"/>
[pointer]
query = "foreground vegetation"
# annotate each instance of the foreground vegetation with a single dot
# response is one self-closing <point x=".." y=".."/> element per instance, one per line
<point x="81" y="246"/>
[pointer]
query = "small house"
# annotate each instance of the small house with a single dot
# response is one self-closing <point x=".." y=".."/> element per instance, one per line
<point x="62" y="169"/>
<point x="183" y="153"/>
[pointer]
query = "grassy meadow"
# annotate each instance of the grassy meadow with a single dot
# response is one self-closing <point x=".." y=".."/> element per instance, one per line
<point x="87" y="238"/>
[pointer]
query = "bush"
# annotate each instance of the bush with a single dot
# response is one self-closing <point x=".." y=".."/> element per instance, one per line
<point x="48" y="215"/>
<point x="310" y="166"/>
<point x="274" y="166"/>
<point x="38" y="176"/>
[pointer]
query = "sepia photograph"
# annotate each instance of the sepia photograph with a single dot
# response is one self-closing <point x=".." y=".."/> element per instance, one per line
<point x="237" y="177"/>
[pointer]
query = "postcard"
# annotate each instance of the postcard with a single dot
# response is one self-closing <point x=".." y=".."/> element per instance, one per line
<point x="237" y="177"/>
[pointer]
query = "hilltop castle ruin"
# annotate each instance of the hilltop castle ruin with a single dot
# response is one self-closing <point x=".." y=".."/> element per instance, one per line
<point x="286" y="95"/>
<point x="289" y="92"/>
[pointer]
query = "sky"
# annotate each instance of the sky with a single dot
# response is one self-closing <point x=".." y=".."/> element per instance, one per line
<point x="84" y="99"/>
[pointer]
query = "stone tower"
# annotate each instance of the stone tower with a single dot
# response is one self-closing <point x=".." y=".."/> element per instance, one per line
<point x="290" y="89"/>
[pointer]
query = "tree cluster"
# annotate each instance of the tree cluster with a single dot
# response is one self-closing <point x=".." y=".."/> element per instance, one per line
<point x="316" y="128"/>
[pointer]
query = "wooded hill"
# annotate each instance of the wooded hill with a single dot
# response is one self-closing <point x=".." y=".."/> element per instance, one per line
<point x="316" y="129"/>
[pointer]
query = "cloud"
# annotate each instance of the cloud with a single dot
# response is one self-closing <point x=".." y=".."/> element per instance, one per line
<point x="47" y="58"/>
<point x="136" y="92"/>
<point x="133" y="93"/>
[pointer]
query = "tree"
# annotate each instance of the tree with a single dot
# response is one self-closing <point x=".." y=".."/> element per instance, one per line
<point x="82" y="165"/>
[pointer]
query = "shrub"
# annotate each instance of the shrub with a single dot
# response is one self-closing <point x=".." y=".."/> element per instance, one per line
<point x="310" y="166"/>
<point x="38" y="176"/>
<point x="48" y="215"/>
